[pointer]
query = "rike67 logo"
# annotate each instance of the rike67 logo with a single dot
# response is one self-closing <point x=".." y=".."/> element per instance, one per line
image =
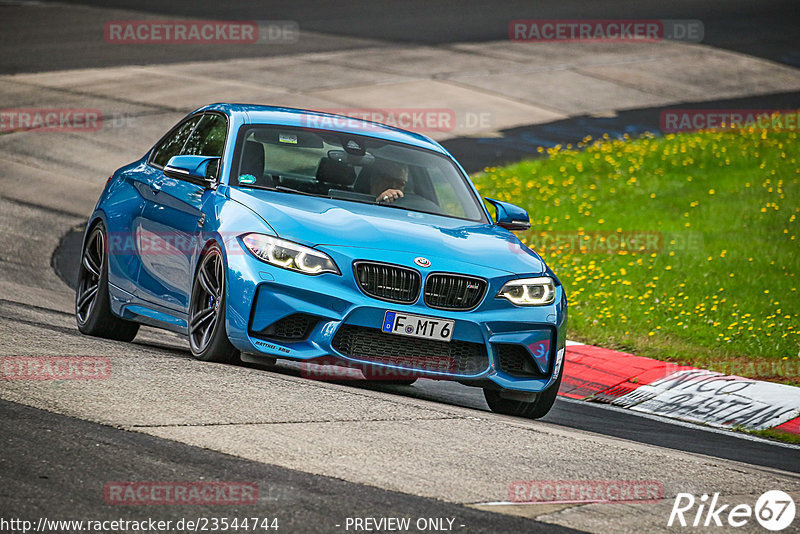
<point x="774" y="510"/>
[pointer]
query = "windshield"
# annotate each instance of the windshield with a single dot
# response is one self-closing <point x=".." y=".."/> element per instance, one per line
<point x="354" y="168"/>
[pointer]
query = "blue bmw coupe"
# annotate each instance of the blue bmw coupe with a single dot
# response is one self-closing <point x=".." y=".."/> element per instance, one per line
<point x="264" y="233"/>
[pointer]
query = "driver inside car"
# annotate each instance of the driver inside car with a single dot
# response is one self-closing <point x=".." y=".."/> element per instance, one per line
<point x="388" y="181"/>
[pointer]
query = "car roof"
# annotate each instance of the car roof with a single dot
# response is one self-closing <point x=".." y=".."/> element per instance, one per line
<point x="304" y="118"/>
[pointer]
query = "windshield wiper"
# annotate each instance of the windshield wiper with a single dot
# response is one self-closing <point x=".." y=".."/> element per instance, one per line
<point x="279" y="188"/>
<point x="285" y="189"/>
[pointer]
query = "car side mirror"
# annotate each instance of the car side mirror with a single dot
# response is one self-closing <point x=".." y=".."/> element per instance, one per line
<point x="200" y="170"/>
<point x="509" y="216"/>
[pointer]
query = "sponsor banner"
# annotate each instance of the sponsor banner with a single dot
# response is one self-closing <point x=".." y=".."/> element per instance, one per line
<point x="50" y="119"/>
<point x="603" y="375"/>
<point x="180" y="493"/>
<point x="605" y="30"/>
<point x="692" y="120"/>
<point x="680" y="392"/>
<point x="715" y="399"/>
<point x="55" y="368"/>
<point x="585" y="491"/>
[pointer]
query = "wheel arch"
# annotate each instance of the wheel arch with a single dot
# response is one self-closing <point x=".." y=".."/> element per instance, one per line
<point x="207" y="244"/>
<point x="97" y="217"/>
<point x="230" y="353"/>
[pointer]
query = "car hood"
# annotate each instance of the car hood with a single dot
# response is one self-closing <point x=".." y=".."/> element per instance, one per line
<point x="325" y="222"/>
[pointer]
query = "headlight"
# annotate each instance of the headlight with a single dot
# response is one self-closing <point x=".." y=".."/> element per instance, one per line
<point x="530" y="291"/>
<point x="289" y="255"/>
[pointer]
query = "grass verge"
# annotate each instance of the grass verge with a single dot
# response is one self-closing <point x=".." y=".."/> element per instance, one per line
<point x="682" y="248"/>
<point x="777" y="435"/>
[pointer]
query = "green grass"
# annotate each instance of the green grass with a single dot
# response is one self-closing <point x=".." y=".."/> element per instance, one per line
<point x="771" y="433"/>
<point x="717" y="285"/>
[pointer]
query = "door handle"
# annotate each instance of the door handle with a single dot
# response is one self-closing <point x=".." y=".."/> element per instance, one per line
<point x="155" y="188"/>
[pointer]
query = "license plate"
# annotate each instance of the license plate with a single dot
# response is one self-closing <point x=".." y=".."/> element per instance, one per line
<point x="406" y="324"/>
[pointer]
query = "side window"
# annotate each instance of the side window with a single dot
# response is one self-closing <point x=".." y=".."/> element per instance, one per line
<point x="208" y="139"/>
<point x="171" y="146"/>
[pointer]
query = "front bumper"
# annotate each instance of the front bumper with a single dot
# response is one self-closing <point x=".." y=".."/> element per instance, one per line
<point x="496" y="344"/>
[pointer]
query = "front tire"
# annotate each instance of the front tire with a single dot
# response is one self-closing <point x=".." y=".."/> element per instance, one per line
<point x="92" y="300"/>
<point x="207" y="337"/>
<point x="535" y="409"/>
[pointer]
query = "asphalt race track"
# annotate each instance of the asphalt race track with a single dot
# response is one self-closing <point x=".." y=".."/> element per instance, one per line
<point x="582" y="416"/>
<point x="304" y="503"/>
<point x="764" y="29"/>
<point x="319" y="452"/>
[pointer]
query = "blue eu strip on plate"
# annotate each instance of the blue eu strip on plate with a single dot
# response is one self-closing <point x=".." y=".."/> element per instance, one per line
<point x="388" y="321"/>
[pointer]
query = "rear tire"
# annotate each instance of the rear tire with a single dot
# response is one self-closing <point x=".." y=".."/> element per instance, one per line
<point x="92" y="300"/>
<point x="535" y="409"/>
<point x="207" y="336"/>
